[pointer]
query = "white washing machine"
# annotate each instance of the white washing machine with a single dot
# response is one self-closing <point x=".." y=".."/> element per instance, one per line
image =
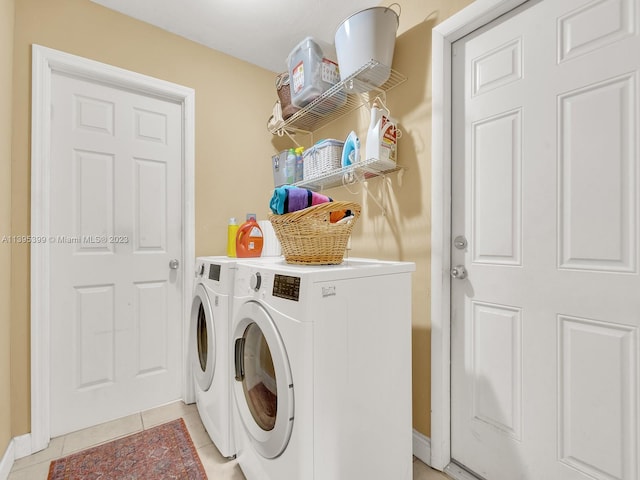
<point x="210" y="354"/>
<point x="322" y="367"/>
<point x="209" y="351"/>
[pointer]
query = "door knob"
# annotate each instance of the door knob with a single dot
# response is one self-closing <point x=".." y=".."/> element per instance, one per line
<point x="459" y="272"/>
<point x="174" y="264"/>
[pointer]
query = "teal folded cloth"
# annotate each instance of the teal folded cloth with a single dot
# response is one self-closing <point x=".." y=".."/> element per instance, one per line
<point x="279" y="198"/>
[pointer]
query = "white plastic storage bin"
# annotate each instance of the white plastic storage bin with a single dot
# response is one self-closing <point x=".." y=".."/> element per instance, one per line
<point x="310" y="73"/>
<point x="278" y="162"/>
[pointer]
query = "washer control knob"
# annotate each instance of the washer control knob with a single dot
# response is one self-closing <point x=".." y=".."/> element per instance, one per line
<point x="256" y="281"/>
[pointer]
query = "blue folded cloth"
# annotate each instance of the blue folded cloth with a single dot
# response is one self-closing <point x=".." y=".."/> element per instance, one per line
<point x="278" y="200"/>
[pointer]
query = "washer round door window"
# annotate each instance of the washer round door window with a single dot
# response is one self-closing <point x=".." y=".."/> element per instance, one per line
<point x="203" y="338"/>
<point x="263" y="388"/>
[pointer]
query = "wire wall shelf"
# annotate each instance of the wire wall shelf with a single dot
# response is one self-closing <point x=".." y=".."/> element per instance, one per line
<point x="344" y="97"/>
<point x="356" y="172"/>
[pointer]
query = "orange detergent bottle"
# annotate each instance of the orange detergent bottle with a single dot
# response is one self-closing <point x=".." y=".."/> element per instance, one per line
<point x="249" y="239"/>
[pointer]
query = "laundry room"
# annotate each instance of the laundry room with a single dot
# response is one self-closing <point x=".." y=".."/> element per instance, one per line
<point x="223" y="112"/>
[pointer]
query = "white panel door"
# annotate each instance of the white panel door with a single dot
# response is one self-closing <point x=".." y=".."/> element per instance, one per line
<point x="545" y="189"/>
<point x="116" y="223"/>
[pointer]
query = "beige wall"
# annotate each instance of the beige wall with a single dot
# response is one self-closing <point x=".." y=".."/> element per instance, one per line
<point x="407" y="231"/>
<point x="404" y="232"/>
<point x="233" y="149"/>
<point x="6" y="60"/>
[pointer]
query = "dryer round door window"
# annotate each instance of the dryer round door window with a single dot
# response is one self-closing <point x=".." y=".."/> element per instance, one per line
<point x="259" y="383"/>
<point x="202" y="339"/>
<point x="263" y="386"/>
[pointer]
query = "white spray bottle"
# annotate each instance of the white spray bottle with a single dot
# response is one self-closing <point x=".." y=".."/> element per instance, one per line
<point x="381" y="137"/>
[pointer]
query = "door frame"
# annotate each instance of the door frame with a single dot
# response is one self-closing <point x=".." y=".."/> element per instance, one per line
<point x="46" y="61"/>
<point x="476" y="15"/>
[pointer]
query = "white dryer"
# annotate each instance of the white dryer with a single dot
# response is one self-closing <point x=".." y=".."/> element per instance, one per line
<point x="322" y="367"/>
<point x="209" y="351"/>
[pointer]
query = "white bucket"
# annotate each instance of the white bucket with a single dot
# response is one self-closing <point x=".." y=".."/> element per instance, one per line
<point x="367" y="35"/>
<point x="271" y="246"/>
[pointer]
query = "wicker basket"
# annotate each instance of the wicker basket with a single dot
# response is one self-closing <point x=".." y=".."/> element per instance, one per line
<point x="308" y="237"/>
<point x="323" y="157"/>
<point x="284" y="94"/>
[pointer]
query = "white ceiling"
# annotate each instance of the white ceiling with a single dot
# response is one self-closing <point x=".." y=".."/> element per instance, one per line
<point x="261" y="32"/>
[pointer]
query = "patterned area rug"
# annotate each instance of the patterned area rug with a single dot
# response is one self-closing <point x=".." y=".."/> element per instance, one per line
<point x="162" y="452"/>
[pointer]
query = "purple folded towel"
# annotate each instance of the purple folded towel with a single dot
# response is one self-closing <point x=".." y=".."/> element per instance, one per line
<point x="298" y="199"/>
<point x="288" y="199"/>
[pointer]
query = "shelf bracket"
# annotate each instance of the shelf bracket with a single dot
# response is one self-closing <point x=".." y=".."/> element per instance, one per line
<point x="290" y="131"/>
<point x="361" y="178"/>
<point x="370" y="195"/>
<point x="379" y="94"/>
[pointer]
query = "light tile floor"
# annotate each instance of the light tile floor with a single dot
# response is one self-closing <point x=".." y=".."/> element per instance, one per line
<point x="36" y="466"/>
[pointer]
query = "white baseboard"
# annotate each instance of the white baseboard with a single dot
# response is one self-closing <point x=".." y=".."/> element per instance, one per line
<point x="22" y="446"/>
<point x="7" y="460"/>
<point x="422" y="447"/>
<point x="18" y="447"/>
